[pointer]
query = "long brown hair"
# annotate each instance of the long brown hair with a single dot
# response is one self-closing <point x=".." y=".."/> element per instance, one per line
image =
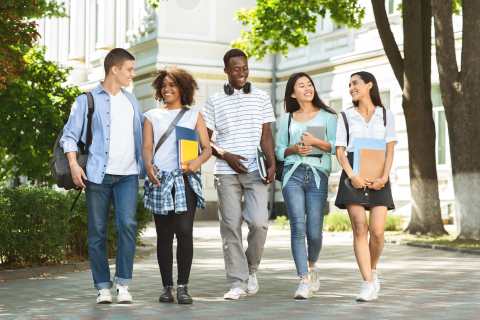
<point x="367" y="77"/>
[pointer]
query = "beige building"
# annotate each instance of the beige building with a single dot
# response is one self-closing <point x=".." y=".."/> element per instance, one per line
<point x="194" y="34"/>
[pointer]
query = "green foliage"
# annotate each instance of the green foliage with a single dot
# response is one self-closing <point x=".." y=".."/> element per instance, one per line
<point x="37" y="226"/>
<point x="276" y="25"/>
<point x="18" y="32"/>
<point x="281" y="222"/>
<point x="393" y="223"/>
<point x="34" y="109"/>
<point x="337" y="221"/>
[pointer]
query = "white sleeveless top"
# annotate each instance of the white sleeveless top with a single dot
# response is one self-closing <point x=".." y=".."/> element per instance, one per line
<point x="166" y="158"/>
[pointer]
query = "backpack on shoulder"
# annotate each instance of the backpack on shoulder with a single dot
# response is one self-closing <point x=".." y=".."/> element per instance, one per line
<point x="59" y="166"/>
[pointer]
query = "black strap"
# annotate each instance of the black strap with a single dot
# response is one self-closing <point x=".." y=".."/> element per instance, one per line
<point x="91" y="108"/>
<point x="170" y="129"/>
<point x="344" y="116"/>
<point x="288" y="127"/>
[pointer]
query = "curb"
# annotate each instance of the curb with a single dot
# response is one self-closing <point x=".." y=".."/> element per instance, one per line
<point x="46" y="272"/>
<point x="433" y="246"/>
<point x="440" y="247"/>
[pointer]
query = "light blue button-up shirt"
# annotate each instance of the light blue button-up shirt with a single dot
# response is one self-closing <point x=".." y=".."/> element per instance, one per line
<point x="99" y="149"/>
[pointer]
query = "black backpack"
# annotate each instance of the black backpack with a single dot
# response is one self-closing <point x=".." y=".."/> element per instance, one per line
<point x="59" y="166"/>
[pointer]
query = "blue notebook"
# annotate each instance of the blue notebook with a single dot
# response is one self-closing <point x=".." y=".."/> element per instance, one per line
<point x="187" y="145"/>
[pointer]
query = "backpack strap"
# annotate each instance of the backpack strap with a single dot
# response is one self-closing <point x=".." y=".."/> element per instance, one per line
<point x="345" y="121"/>
<point x="288" y="127"/>
<point x="91" y="109"/>
<point x="384" y="116"/>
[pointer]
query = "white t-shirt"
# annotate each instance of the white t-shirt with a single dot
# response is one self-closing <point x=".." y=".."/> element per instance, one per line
<point x="166" y="158"/>
<point x="121" y="157"/>
<point x="359" y="128"/>
<point x="237" y="122"/>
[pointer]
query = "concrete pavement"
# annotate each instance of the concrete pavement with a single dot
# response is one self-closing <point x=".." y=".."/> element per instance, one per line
<point x="417" y="283"/>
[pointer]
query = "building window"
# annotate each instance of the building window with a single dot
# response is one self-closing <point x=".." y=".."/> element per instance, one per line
<point x="385" y="97"/>
<point x="390" y="6"/>
<point x="441" y="126"/>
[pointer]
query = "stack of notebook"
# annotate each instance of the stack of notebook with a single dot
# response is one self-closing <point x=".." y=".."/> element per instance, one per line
<point x="369" y="157"/>
<point x="187" y="145"/>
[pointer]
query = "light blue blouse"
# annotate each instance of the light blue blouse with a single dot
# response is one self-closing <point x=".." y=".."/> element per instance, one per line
<point x="322" y="118"/>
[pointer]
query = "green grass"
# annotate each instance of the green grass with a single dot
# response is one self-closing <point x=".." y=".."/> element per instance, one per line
<point x="446" y="240"/>
<point x="340" y="222"/>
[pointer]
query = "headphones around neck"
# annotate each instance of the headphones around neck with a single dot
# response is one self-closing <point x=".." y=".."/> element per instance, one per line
<point x="229" y="90"/>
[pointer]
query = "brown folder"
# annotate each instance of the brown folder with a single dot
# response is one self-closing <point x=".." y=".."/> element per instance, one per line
<point x="372" y="163"/>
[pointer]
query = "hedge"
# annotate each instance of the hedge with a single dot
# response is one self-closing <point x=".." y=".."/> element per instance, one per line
<point x="37" y="227"/>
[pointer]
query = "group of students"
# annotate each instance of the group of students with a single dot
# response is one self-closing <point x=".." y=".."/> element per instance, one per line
<point x="232" y="125"/>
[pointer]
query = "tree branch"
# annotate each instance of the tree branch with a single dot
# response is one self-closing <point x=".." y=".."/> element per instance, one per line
<point x="388" y="40"/>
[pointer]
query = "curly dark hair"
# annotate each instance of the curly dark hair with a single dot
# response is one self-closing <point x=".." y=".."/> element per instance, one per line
<point x="184" y="81"/>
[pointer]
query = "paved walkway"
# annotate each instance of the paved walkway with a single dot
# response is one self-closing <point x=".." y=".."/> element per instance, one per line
<point x="417" y="284"/>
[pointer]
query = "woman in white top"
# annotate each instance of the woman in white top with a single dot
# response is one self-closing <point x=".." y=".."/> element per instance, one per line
<point x="172" y="192"/>
<point x="367" y="118"/>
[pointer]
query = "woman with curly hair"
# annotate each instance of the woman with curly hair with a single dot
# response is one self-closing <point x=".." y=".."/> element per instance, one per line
<point x="172" y="193"/>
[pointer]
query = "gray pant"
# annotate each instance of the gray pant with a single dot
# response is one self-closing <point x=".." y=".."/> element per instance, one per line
<point x="230" y="189"/>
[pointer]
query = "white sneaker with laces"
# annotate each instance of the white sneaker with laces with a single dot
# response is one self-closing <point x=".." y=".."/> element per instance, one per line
<point x="376" y="281"/>
<point x="104" y="296"/>
<point x="123" y="296"/>
<point x="314" y="278"/>
<point x="304" y="290"/>
<point x="252" y="286"/>
<point x="234" y="294"/>
<point x="368" y="292"/>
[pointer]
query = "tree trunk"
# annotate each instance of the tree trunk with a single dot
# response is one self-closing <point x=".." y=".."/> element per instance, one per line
<point x="417" y="106"/>
<point x="460" y="96"/>
<point x="413" y="75"/>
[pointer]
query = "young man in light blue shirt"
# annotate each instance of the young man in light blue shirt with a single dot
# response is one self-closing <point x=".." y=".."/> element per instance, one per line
<point x="113" y="166"/>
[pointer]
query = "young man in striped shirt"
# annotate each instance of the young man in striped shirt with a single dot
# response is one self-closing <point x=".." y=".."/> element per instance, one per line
<point x="240" y="116"/>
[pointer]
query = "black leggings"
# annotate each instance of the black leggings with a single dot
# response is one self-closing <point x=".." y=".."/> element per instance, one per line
<point x="180" y="224"/>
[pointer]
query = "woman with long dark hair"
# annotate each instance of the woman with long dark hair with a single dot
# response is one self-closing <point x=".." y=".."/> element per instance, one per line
<point x="367" y="118"/>
<point x="173" y="192"/>
<point x="305" y="142"/>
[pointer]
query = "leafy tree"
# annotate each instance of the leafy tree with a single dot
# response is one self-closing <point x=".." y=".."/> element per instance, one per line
<point x="287" y="25"/>
<point x="35" y="106"/>
<point x="459" y="86"/>
<point x="276" y="25"/>
<point x="18" y="32"/>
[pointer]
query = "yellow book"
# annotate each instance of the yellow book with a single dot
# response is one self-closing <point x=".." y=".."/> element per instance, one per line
<point x="187" y="151"/>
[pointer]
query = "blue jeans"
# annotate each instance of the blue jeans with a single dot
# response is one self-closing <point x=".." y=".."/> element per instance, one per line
<point x="305" y="203"/>
<point x="122" y="191"/>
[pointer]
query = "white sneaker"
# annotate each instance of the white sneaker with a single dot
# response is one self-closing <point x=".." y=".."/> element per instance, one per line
<point x="252" y="286"/>
<point x="234" y="294"/>
<point x="368" y="292"/>
<point x="304" y="290"/>
<point x="314" y="278"/>
<point x="123" y="296"/>
<point x="104" y="296"/>
<point x="376" y="281"/>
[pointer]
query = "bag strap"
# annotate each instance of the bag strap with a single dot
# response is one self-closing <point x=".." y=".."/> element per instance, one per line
<point x="345" y="121"/>
<point x="288" y="127"/>
<point x="344" y="116"/>
<point x="91" y="109"/>
<point x="170" y="129"/>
